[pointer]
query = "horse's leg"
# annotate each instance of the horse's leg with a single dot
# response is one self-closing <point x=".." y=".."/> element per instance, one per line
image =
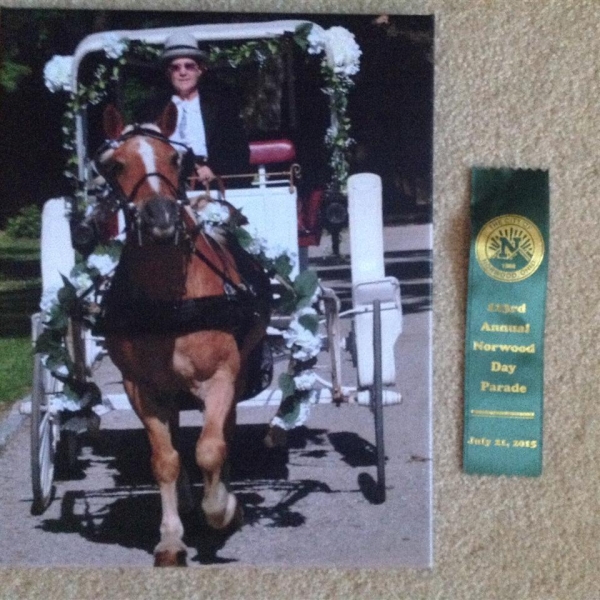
<point x="185" y="500"/>
<point x="219" y="505"/>
<point x="155" y="416"/>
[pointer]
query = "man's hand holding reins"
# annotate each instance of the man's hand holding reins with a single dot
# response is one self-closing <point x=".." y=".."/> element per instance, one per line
<point x="204" y="174"/>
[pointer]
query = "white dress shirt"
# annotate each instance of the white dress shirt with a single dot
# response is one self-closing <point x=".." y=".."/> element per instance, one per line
<point x="190" y="125"/>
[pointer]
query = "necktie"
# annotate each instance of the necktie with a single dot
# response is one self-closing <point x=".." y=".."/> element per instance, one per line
<point x="183" y="123"/>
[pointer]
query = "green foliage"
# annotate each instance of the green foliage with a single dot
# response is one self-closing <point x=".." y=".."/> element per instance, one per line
<point x="19" y="296"/>
<point x="26" y="224"/>
<point x="310" y="322"/>
<point x="248" y="52"/>
<point x="289" y="411"/>
<point x="243" y="237"/>
<point x="11" y="74"/>
<point x="22" y="249"/>
<point x="301" y="35"/>
<point x="286" y="384"/>
<point x="305" y="286"/>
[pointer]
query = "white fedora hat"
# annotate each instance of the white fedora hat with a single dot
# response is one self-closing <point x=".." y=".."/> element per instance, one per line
<point x="182" y="45"/>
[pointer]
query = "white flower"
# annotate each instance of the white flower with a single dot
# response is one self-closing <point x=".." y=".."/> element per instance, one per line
<point x="102" y="262"/>
<point x="301" y="418"/>
<point x="59" y="403"/>
<point x="260" y="57"/>
<point x="316" y="296"/>
<point x="259" y="245"/>
<point x="316" y="40"/>
<point x="308" y="346"/>
<point x="256" y="245"/>
<point x="342" y="51"/>
<point x="49" y="299"/>
<point x="273" y="252"/>
<point x="114" y="46"/>
<point x="331" y="133"/>
<point x="60" y="370"/>
<point x="82" y="282"/>
<point x="57" y="73"/>
<point x="305" y="380"/>
<point x="301" y="341"/>
<point x="214" y="213"/>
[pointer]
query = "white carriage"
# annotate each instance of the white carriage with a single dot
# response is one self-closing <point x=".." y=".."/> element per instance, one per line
<point x="376" y="313"/>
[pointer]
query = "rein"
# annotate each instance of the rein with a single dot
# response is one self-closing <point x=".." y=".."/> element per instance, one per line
<point x="230" y="286"/>
<point x="133" y="217"/>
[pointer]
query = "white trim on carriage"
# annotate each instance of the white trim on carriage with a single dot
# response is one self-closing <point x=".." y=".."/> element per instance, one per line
<point x="217" y="32"/>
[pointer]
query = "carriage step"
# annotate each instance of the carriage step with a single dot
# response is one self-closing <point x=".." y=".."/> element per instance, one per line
<point x="389" y="397"/>
<point x="272" y="397"/>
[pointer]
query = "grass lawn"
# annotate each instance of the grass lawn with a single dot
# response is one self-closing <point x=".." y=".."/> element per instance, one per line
<point x="16" y="366"/>
<point x="19" y="298"/>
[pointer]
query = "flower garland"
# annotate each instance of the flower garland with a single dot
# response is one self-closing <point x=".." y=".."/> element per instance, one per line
<point x="71" y="301"/>
<point x="339" y="62"/>
<point x="298" y="298"/>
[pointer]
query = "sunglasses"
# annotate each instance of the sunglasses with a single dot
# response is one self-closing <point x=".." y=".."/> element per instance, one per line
<point x="186" y="66"/>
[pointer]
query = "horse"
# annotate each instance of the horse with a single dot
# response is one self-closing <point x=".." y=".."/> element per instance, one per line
<point x="180" y="319"/>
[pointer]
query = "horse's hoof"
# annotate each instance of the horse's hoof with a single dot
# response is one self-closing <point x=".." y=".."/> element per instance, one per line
<point x="170" y="558"/>
<point x="170" y="552"/>
<point x="276" y="437"/>
<point x="233" y="514"/>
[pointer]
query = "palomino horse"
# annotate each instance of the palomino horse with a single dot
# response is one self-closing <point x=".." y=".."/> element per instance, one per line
<point x="179" y="319"/>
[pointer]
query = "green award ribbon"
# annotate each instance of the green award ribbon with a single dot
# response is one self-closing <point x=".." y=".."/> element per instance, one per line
<point x="505" y="322"/>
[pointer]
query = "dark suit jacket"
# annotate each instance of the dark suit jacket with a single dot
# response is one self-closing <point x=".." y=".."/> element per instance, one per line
<point x="226" y="139"/>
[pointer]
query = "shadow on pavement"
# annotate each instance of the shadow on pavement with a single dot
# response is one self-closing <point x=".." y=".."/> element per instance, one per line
<point x="355" y="450"/>
<point x="128" y="514"/>
<point x="369" y="488"/>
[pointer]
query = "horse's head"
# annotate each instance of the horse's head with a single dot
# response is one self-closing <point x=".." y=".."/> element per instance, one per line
<point x="143" y="167"/>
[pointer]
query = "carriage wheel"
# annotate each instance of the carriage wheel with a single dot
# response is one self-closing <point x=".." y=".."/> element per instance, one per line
<point x="377" y="400"/>
<point x="43" y="441"/>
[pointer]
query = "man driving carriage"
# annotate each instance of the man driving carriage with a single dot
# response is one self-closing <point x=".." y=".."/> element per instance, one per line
<point x="208" y="120"/>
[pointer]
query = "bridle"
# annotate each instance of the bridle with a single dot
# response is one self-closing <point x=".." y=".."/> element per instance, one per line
<point x="133" y="217"/>
<point x="126" y="202"/>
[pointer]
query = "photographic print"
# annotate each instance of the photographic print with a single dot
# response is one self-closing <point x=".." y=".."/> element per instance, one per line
<point x="217" y="235"/>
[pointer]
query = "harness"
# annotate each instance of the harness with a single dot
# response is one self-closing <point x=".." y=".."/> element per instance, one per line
<point x="125" y="202"/>
<point x="236" y="311"/>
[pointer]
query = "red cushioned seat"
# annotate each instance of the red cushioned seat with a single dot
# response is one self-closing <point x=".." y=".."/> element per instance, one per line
<point x="272" y="151"/>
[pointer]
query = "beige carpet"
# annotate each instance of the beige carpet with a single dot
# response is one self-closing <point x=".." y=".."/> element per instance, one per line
<point x="517" y="84"/>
